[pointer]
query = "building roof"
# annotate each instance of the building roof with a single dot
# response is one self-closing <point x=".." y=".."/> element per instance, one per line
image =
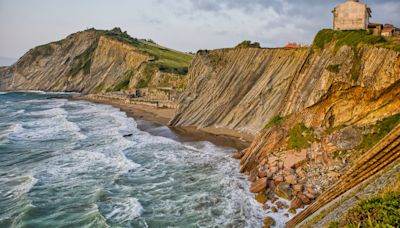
<point x="374" y="25"/>
<point x="388" y="29"/>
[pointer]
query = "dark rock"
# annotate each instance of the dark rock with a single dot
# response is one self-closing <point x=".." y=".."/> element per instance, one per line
<point x="269" y="222"/>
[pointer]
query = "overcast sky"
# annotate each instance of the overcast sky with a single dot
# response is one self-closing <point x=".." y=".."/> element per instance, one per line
<point x="186" y="25"/>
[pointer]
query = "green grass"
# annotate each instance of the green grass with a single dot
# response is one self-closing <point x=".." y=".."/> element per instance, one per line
<point x="165" y="59"/>
<point x="43" y="50"/>
<point x="352" y="39"/>
<point x="124" y="83"/>
<point x="382" y="210"/>
<point x="300" y="137"/>
<point x="277" y="120"/>
<point x="380" y="130"/>
<point x="334" y="68"/>
<point x="83" y="61"/>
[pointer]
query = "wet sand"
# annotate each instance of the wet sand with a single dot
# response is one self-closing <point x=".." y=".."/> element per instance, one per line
<point x="155" y="121"/>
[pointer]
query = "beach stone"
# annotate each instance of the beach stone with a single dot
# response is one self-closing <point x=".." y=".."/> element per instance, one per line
<point x="268" y="222"/>
<point x="284" y="190"/>
<point x="300" y="173"/>
<point x="292" y="211"/>
<point x="237" y="155"/>
<point x="298" y="187"/>
<point x="278" y="179"/>
<point x="281" y="205"/>
<point x="261" y="198"/>
<point x="294" y="159"/>
<point x="304" y="199"/>
<point x="262" y="172"/>
<point x="266" y="207"/>
<point x="259" y="185"/>
<point x="274" y="209"/>
<point x="291" y="179"/>
<point x="253" y="175"/>
<point x="309" y="195"/>
<point x="271" y="185"/>
<point x="296" y="203"/>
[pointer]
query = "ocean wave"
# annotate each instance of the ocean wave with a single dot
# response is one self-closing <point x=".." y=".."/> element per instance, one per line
<point x="121" y="210"/>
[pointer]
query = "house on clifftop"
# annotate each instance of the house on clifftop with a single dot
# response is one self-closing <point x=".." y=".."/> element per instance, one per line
<point x="351" y="15"/>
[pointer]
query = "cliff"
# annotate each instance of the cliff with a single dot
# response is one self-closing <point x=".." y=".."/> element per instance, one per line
<point x="244" y="88"/>
<point x="315" y="111"/>
<point x="95" y="61"/>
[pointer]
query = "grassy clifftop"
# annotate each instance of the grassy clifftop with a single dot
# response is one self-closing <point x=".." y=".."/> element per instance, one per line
<point x="167" y="60"/>
<point x="353" y="39"/>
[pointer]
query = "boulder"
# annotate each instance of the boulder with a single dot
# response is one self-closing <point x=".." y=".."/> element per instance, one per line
<point x="345" y="139"/>
<point x="262" y="172"/>
<point x="298" y="187"/>
<point x="253" y="175"/>
<point x="237" y="155"/>
<point x="294" y="159"/>
<point x="291" y="179"/>
<point x="304" y="199"/>
<point x="284" y="190"/>
<point x="271" y="185"/>
<point x="292" y="210"/>
<point x="266" y="207"/>
<point x="261" y="198"/>
<point x="278" y="179"/>
<point x="274" y="209"/>
<point x="259" y="185"/>
<point x="269" y="222"/>
<point x="281" y="205"/>
<point x="296" y="203"/>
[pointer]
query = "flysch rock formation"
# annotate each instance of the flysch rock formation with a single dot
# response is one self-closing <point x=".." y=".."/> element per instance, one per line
<point x="244" y="88"/>
<point x="314" y="111"/>
<point x="91" y="61"/>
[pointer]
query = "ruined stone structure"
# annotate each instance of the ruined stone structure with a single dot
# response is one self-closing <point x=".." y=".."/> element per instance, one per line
<point x="351" y="15"/>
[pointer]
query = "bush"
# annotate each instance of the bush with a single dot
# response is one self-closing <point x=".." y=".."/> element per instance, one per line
<point x="248" y="44"/>
<point x="277" y="120"/>
<point x="300" y="137"/>
<point x="381" y="129"/>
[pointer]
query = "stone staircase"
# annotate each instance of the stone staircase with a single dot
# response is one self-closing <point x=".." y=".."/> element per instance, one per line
<point x="383" y="154"/>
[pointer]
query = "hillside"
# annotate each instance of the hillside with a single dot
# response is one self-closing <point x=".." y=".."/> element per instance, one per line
<point x="314" y="111"/>
<point x="96" y="61"/>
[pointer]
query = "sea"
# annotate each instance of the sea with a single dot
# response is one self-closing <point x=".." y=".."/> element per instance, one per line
<point x="71" y="163"/>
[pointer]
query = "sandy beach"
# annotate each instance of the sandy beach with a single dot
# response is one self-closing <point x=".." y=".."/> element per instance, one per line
<point x="155" y="121"/>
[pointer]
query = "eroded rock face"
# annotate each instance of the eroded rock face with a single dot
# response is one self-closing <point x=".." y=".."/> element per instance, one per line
<point x="86" y="62"/>
<point x="243" y="89"/>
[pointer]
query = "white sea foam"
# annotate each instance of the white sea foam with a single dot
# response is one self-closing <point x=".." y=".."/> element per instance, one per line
<point x="122" y="210"/>
<point x="3" y="93"/>
<point x="15" y="187"/>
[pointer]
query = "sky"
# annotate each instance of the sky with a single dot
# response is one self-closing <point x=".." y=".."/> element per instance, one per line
<point x="186" y="25"/>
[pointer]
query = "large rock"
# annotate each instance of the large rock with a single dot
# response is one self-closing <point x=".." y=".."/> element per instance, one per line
<point x="259" y="186"/>
<point x="293" y="158"/>
<point x="346" y="139"/>
<point x="269" y="222"/>
<point x="284" y="190"/>
<point x="296" y="203"/>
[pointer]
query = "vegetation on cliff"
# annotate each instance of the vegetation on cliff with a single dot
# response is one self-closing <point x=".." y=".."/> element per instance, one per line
<point x="167" y="60"/>
<point x="248" y="44"/>
<point x="381" y="210"/>
<point x="352" y="39"/>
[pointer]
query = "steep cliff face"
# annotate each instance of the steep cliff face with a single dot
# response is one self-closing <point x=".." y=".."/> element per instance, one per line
<point x="238" y="88"/>
<point x="89" y="62"/>
<point x="243" y="89"/>
<point x="316" y="110"/>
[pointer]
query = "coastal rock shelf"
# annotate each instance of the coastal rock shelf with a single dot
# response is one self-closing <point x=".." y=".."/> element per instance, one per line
<point x="382" y="155"/>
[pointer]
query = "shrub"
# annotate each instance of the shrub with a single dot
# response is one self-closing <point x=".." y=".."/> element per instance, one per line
<point x="381" y="129"/>
<point x="248" y="44"/>
<point x="300" y="137"/>
<point x="277" y="120"/>
<point x="334" y="68"/>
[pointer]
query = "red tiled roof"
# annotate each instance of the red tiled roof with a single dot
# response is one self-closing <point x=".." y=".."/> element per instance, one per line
<point x="388" y="30"/>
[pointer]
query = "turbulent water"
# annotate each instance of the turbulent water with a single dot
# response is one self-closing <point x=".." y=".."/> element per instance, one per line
<point x="66" y="163"/>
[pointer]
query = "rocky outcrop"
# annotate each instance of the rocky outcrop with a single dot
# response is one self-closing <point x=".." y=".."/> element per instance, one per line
<point x="91" y="61"/>
<point x="243" y="89"/>
<point x="381" y="156"/>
